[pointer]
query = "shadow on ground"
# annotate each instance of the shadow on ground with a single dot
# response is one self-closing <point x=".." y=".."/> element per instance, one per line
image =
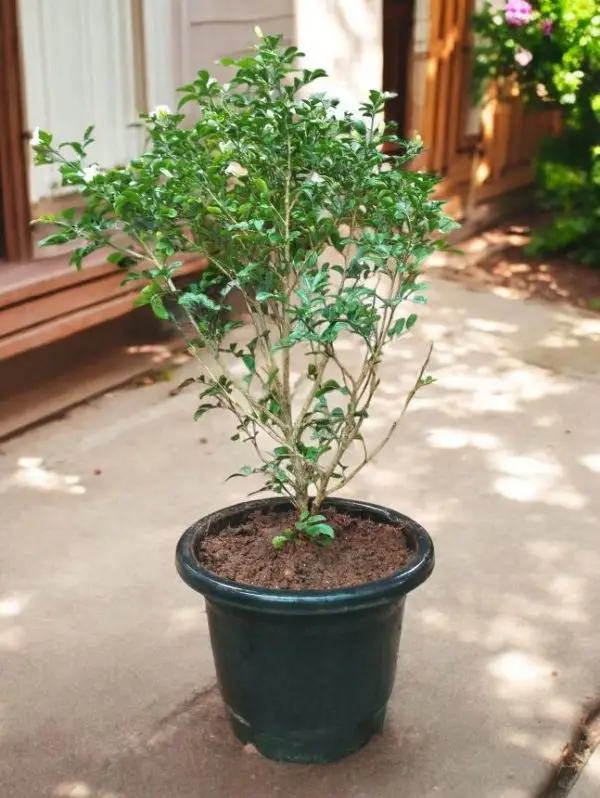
<point x="500" y="460"/>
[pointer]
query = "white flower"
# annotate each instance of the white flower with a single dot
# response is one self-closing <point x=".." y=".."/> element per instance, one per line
<point x="90" y="172"/>
<point x="161" y="112"/>
<point x="226" y="146"/>
<point x="236" y="170"/>
<point x="523" y="57"/>
<point x="315" y="177"/>
<point x="35" y="138"/>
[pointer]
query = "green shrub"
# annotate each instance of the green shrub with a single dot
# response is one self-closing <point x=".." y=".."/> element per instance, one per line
<point x="298" y="207"/>
<point x="552" y="50"/>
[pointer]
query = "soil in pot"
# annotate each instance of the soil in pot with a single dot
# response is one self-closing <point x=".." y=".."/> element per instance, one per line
<point x="363" y="551"/>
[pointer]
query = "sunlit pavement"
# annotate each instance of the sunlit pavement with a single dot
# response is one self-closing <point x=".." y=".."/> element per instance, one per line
<point x="107" y="687"/>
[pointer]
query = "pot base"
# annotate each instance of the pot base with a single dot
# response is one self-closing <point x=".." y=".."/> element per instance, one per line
<point x="314" y="748"/>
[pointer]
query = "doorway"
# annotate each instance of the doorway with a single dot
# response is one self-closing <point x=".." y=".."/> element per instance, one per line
<point x="398" y="22"/>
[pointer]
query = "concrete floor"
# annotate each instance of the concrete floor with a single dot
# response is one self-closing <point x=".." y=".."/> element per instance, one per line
<point x="107" y="683"/>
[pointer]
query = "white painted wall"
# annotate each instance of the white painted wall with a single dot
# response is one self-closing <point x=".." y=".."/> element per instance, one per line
<point x="345" y="37"/>
<point x="79" y="71"/>
<point x="421" y="34"/>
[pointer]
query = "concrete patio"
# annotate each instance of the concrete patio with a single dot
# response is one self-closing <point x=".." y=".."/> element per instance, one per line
<point x="108" y="687"/>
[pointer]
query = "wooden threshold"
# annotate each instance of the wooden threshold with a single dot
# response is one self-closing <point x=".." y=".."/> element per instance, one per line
<point x="51" y="306"/>
<point x="22" y="281"/>
<point x="63" y="326"/>
<point x="35" y="312"/>
<point x="84" y="382"/>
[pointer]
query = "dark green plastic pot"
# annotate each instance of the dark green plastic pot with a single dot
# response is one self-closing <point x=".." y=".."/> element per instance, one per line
<point x="305" y="675"/>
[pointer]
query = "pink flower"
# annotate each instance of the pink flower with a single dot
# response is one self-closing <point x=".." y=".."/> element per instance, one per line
<point x="547" y="26"/>
<point x="518" y="12"/>
<point x="523" y="57"/>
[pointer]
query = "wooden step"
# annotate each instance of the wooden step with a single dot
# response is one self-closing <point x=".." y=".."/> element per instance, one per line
<point x="38" y="308"/>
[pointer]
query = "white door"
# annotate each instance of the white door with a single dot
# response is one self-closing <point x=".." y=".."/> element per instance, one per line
<point x="212" y="29"/>
<point x="79" y="70"/>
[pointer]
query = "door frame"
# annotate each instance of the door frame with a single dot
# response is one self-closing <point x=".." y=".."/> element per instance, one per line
<point x="14" y="140"/>
<point x="398" y="57"/>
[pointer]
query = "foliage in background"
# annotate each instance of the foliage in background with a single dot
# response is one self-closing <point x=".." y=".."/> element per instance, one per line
<point x="263" y="184"/>
<point x="552" y="49"/>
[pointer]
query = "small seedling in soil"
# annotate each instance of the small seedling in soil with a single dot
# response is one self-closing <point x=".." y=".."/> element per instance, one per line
<point x="312" y="526"/>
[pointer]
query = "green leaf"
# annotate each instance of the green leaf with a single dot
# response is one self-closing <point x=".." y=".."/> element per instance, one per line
<point x="183" y="385"/>
<point x="260" y="185"/>
<point x="75" y="146"/>
<point x="327" y="387"/>
<point x="204" y="408"/>
<point x="320" y="529"/>
<point x="115" y="257"/>
<point x="447" y="225"/>
<point x="411" y="321"/>
<point x="80" y="253"/>
<point x="192" y="299"/>
<point x="145" y="296"/>
<point x="55" y="239"/>
<point x="247" y="470"/>
<point x="279" y="541"/>
<point x="264" y="296"/>
<point x="132" y="276"/>
<point x="396" y="328"/>
<point x="158" y="308"/>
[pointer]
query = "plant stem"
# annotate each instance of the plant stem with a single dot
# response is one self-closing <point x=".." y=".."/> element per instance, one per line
<point x="370" y="457"/>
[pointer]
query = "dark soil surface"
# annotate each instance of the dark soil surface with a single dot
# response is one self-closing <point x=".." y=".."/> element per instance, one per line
<point x="362" y="551"/>
<point x="519" y="274"/>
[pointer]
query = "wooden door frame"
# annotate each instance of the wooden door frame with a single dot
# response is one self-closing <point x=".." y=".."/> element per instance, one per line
<point x="14" y="138"/>
<point x="407" y="111"/>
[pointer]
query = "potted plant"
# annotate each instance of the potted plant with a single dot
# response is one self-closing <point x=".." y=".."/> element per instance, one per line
<point x="297" y="206"/>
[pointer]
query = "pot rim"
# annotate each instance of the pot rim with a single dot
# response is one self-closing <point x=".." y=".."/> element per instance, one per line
<point x="217" y="589"/>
